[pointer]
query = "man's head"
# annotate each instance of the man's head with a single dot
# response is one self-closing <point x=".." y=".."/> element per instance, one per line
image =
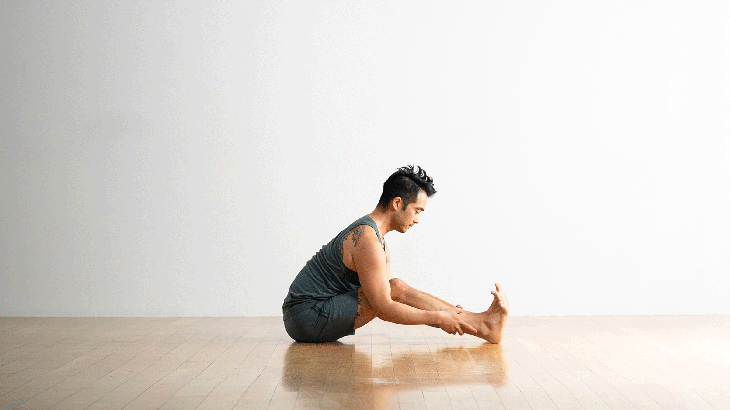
<point x="404" y="194"/>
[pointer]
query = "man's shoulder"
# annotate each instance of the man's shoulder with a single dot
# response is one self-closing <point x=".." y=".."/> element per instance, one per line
<point x="361" y="238"/>
<point x="361" y="233"/>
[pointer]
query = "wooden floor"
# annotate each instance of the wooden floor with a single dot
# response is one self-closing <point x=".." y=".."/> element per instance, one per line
<point x="619" y="362"/>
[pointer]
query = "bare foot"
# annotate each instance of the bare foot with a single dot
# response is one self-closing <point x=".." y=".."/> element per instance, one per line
<point x="492" y="321"/>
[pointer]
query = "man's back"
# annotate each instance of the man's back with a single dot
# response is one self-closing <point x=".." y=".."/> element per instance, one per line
<point x="326" y="274"/>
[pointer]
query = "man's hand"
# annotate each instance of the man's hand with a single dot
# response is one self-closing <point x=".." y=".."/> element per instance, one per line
<point x="450" y="322"/>
<point x="456" y="309"/>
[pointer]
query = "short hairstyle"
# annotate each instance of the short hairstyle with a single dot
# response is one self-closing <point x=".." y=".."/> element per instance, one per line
<point x="405" y="183"/>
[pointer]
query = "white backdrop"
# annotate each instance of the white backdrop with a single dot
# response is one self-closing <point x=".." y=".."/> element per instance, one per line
<point x="186" y="158"/>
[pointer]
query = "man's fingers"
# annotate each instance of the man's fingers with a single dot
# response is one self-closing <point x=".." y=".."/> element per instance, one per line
<point x="469" y="327"/>
<point x="461" y="332"/>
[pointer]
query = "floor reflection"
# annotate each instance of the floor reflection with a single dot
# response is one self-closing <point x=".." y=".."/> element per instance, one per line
<point x="347" y="375"/>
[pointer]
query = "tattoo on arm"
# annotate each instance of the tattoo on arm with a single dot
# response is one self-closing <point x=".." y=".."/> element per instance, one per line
<point x="356" y="234"/>
<point x="339" y="245"/>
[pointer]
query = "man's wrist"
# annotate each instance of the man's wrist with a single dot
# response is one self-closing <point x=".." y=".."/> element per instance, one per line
<point x="435" y="317"/>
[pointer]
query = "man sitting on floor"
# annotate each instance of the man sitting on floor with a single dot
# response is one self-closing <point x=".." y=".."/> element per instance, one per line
<point x="348" y="282"/>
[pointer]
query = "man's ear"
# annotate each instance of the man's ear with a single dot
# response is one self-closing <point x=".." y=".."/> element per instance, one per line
<point x="396" y="203"/>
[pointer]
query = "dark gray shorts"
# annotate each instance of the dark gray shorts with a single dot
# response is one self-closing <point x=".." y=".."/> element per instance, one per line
<point x="326" y="321"/>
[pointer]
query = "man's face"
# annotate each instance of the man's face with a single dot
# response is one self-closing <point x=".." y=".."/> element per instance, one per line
<point x="408" y="216"/>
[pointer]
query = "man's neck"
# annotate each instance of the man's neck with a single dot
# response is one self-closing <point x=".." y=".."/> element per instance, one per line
<point x="382" y="220"/>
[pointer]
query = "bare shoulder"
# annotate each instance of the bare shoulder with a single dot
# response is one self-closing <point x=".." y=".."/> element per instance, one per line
<point x="361" y="244"/>
<point x="357" y="233"/>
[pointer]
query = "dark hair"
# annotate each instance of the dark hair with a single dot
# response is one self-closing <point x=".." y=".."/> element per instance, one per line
<point x="405" y="183"/>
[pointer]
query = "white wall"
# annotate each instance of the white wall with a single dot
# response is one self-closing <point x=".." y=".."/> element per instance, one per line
<point x="187" y="158"/>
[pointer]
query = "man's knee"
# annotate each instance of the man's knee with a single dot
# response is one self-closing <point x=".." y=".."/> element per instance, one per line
<point x="398" y="288"/>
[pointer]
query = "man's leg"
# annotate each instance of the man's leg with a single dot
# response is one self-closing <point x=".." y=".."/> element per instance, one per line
<point x="489" y="324"/>
<point x="401" y="292"/>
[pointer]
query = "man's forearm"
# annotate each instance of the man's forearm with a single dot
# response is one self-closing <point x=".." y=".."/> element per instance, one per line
<point x="402" y="314"/>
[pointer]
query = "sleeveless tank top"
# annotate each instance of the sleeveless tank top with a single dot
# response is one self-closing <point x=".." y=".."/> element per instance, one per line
<point x="325" y="275"/>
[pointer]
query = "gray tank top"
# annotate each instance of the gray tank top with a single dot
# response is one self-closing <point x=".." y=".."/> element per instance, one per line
<point x="325" y="275"/>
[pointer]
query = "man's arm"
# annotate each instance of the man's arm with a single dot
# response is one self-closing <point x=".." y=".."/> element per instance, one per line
<point x="370" y="264"/>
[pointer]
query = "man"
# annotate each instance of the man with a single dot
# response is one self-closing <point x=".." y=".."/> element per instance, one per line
<point x="348" y="282"/>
